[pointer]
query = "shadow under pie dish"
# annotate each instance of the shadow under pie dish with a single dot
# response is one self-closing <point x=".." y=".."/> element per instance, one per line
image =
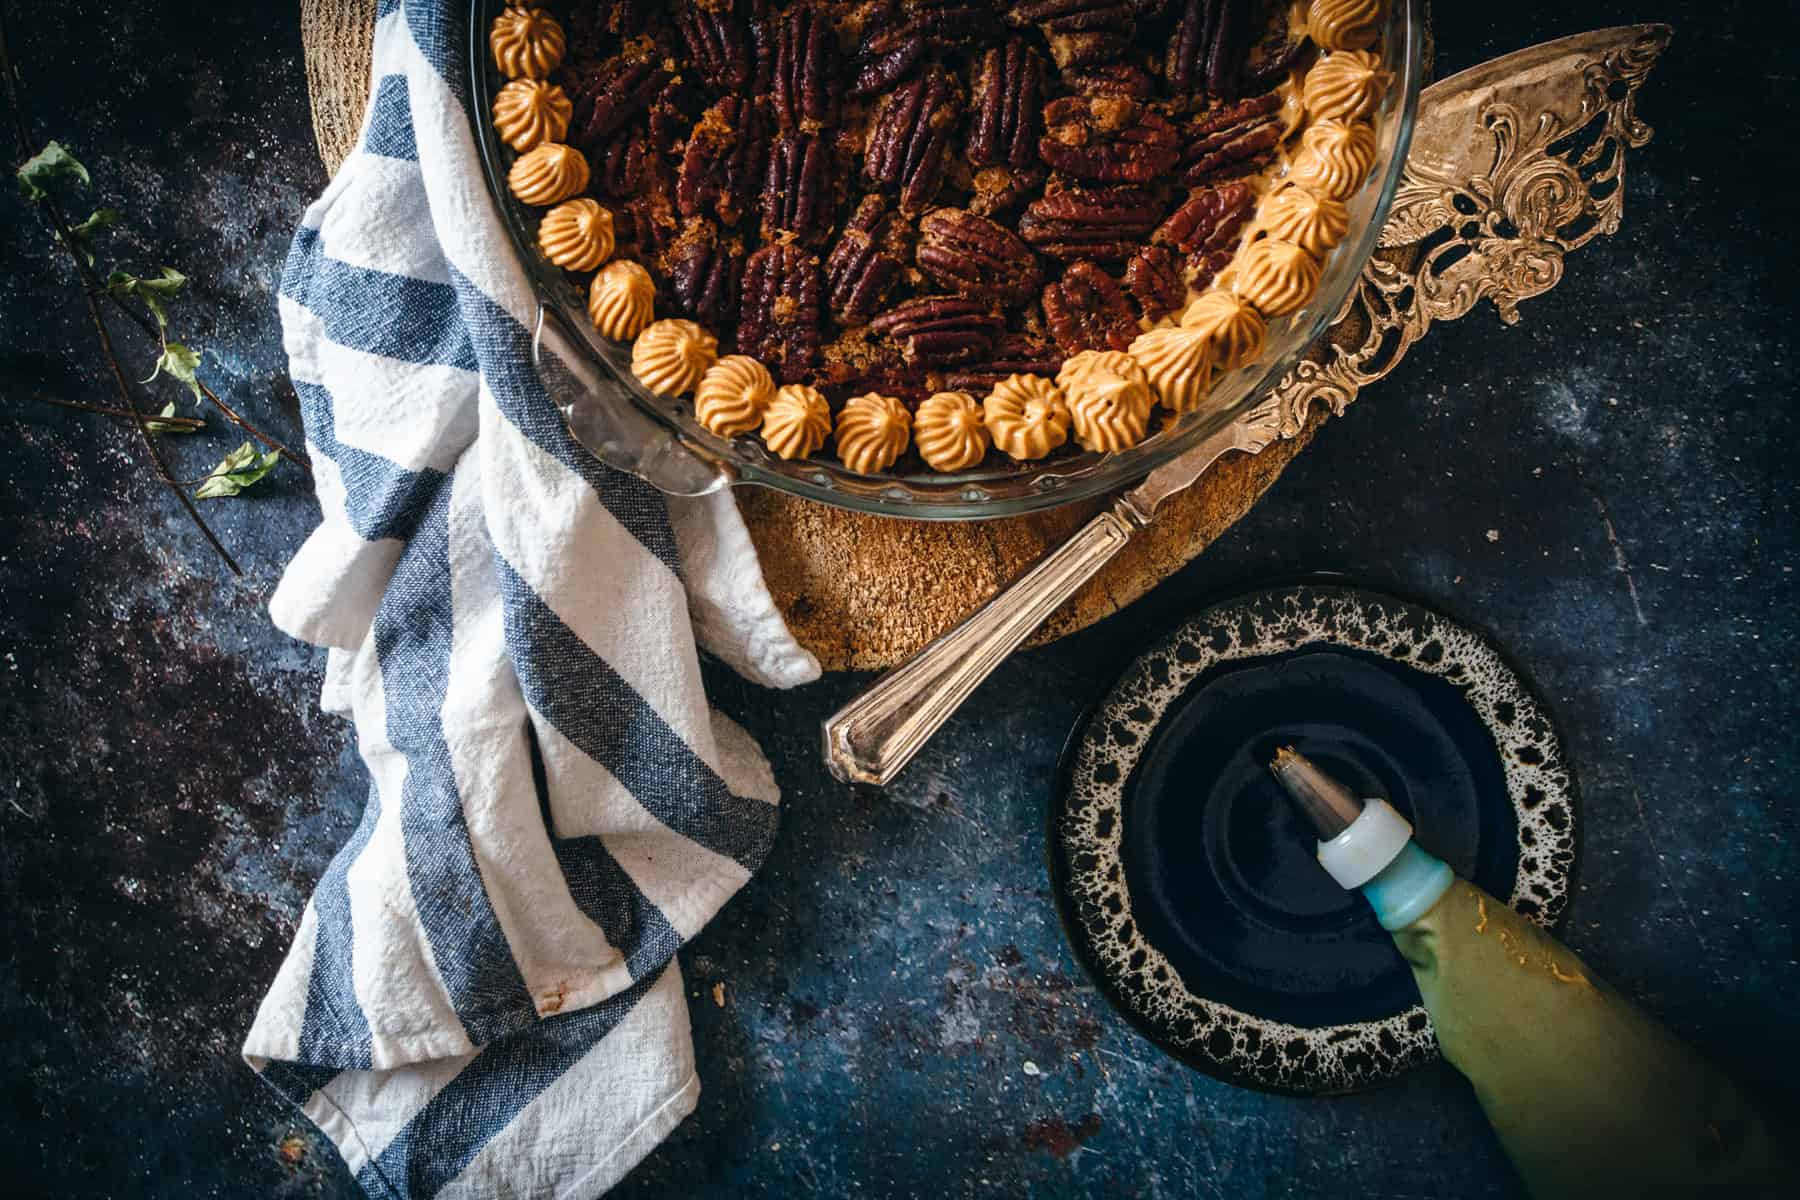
<point x="907" y="199"/>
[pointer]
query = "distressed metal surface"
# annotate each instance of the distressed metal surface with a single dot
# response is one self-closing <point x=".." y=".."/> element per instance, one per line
<point x="1607" y="487"/>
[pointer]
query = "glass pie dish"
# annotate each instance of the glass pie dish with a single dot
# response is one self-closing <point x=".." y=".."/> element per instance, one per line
<point x="659" y="439"/>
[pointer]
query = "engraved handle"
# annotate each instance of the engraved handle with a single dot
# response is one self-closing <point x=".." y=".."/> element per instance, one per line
<point x="870" y="739"/>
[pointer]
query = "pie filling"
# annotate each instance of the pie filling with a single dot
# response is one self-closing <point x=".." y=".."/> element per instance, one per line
<point x="935" y="229"/>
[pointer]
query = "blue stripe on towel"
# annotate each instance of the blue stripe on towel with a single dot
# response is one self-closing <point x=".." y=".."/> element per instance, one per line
<point x="334" y="1030"/>
<point x="519" y="394"/>
<point x="440" y="1142"/>
<point x="377" y="312"/>
<point x="390" y="131"/>
<point x="413" y="634"/>
<point x="381" y="498"/>
<point x="598" y="710"/>
<point x="611" y="899"/>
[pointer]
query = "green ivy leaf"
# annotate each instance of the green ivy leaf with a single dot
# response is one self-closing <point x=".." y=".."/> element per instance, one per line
<point x="179" y="362"/>
<point x="52" y="162"/>
<point x="237" y="471"/>
<point x="81" y="236"/>
<point x="153" y="293"/>
<point x="156" y="426"/>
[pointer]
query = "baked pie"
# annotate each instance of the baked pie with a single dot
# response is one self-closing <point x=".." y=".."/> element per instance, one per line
<point x="937" y="229"/>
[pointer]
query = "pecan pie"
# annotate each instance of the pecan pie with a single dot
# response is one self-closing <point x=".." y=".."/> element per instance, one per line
<point x="876" y="203"/>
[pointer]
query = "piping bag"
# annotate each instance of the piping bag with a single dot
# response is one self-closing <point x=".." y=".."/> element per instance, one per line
<point x="1590" y="1097"/>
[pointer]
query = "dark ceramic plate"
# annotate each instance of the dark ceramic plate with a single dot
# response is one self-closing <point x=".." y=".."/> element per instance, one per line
<point x="1187" y="881"/>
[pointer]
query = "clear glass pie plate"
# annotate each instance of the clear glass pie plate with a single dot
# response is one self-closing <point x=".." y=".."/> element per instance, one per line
<point x="658" y="438"/>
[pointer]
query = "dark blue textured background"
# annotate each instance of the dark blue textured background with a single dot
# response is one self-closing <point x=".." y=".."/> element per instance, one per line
<point x="1607" y="487"/>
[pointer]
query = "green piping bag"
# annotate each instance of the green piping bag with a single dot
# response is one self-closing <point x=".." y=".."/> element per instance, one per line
<point x="1590" y="1097"/>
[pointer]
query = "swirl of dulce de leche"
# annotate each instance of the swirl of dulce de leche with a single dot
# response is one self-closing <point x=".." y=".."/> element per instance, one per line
<point x="1109" y="399"/>
<point x="548" y="173"/>
<point x="1344" y="85"/>
<point x="530" y="111"/>
<point x="1313" y="223"/>
<point x="1230" y="324"/>
<point x="576" y="235"/>
<point x="1334" y="158"/>
<point x="872" y="431"/>
<point x="948" y="431"/>
<point x="1276" y="276"/>
<point x="621" y="300"/>
<point x="733" y="394"/>
<point x="1027" y="416"/>
<point x="796" y="422"/>
<point x="1178" y="363"/>
<point x="1344" y="24"/>
<point x="527" y="43"/>
<point x="671" y="355"/>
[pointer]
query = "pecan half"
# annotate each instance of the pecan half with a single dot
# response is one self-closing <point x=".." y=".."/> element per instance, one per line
<point x="1013" y="354"/>
<point x="703" y="273"/>
<point x="611" y="96"/>
<point x="1234" y="139"/>
<point x="797" y="188"/>
<point x="804" y="90"/>
<point x="909" y="138"/>
<point x="1112" y="139"/>
<point x="868" y="260"/>
<point x="1080" y="32"/>
<point x="1100" y="223"/>
<point x="1087" y="310"/>
<point x="1112" y="79"/>
<point x="974" y="256"/>
<point x="1206" y="228"/>
<point x="939" y="330"/>
<point x="718" y="44"/>
<point x="900" y="33"/>
<point x="1157" y="281"/>
<point x="779" y="321"/>
<point x="723" y="164"/>
<point x="1000" y="189"/>
<point x="1006" y="104"/>
<point x="1207" y="47"/>
<point x="617" y="165"/>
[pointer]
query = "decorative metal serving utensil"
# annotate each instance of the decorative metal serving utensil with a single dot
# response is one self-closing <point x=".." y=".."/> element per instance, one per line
<point x="1514" y="163"/>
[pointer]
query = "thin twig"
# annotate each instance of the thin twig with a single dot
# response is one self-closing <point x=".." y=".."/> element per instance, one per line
<point x="184" y="422"/>
<point x="53" y="212"/>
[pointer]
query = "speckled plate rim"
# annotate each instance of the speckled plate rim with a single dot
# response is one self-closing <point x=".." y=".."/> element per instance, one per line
<point x="1329" y="1048"/>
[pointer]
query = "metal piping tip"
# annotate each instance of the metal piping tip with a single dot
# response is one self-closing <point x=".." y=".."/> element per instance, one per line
<point x="1328" y="804"/>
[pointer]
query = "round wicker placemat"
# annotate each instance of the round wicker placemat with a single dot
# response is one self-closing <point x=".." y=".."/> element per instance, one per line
<point x="859" y="591"/>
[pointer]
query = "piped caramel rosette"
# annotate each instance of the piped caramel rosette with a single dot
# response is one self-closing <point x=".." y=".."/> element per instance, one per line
<point x="621" y="300"/>
<point x="1027" y="416"/>
<point x="672" y="355"/>
<point x="1334" y="158"/>
<point x="948" y="431"/>
<point x="527" y="43"/>
<point x="872" y="432"/>
<point x="548" y="173"/>
<point x="1344" y="86"/>
<point x="528" y="112"/>
<point x="1178" y="364"/>
<point x="1230" y="324"/>
<point x="1313" y="223"/>
<point x="733" y="395"/>
<point x="1277" y="277"/>
<point x="1344" y="24"/>
<point x="1109" y="399"/>
<point x="577" y="235"/>
<point x="797" y="422"/>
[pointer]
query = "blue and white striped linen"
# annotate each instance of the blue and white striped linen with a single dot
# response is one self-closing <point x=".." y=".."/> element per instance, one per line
<point x="481" y="998"/>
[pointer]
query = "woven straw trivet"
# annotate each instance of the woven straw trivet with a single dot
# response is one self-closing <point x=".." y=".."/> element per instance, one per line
<point x="859" y="591"/>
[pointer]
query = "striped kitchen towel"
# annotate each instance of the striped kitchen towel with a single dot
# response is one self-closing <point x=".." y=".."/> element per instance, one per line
<point x="481" y="998"/>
